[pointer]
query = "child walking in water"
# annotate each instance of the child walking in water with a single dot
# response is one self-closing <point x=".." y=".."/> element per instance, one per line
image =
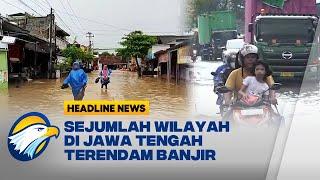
<point x="256" y="86"/>
<point x="105" y="76"/>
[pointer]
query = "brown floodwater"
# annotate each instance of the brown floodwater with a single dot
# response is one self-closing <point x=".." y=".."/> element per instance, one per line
<point x="167" y="100"/>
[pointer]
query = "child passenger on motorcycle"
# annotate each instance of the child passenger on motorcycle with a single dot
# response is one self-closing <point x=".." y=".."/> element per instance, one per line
<point x="256" y="86"/>
<point x="248" y="57"/>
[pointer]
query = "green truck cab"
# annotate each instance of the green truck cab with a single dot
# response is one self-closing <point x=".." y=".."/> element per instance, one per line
<point x="285" y="33"/>
<point x="285" y="43"/>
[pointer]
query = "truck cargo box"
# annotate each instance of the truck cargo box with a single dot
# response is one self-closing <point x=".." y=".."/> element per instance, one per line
<point x="290" y="7"/>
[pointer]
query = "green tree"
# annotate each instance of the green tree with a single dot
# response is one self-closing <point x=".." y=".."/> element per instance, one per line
<point x="123" y="53"/>
<point x="73" y="53"/>
<point x="136" y="44"/>
<point x="87" y="57"/>
<point x="106" y="53"/>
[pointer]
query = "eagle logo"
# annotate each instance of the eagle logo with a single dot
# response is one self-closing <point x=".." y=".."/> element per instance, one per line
<point x="30" y="135"/>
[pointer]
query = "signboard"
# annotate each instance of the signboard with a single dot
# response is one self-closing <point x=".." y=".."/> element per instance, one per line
<point x="3" y="76"/>
<point x="3" y="46"/>
<point x="184" y="55"/>
<point x="3" y="70"/>
<point x="163" y="58"/>
<point x="274" y="3"/>
<point x="8" y="40"/>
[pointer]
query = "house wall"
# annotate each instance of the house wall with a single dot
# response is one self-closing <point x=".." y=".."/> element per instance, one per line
<point x="62" y="43"/>
<point x="39" y="27"/>
<point x="3" y="70"/>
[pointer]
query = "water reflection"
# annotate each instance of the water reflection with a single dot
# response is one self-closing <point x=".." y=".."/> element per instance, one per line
<point x="167" y="100"/>
<point x="290" y="93"/>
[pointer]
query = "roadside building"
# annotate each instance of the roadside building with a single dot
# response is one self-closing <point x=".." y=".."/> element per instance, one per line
<point x="3" y="66"/>
<point x="151" y="67"/>
<point x="157" y="59"/>
<point x="175" y="62"/>
<point x="163" y="58"/>
<point x="38" y="29"/>
<point x="112" y="61"/>
<point x="26" y="54"/>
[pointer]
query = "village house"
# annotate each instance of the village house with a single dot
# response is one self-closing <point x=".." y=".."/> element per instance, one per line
<point x="38" y="28"/>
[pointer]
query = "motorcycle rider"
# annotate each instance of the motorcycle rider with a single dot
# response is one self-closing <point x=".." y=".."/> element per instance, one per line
<point x="248" y="56"/>
<point x="220" y="77"/>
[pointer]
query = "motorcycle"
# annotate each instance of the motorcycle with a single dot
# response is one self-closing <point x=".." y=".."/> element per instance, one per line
<point x="220" y="77"/>
<point x="254" y="111"/>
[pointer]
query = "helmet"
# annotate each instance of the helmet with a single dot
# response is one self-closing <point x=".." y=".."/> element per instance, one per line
<point x="245" y="50"/>
<point x="228" y="60"/>
<point x="76" y="65"/>
<point x="249" y="49"/>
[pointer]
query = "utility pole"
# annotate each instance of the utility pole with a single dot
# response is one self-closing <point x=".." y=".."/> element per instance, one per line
<point x="35" y="53"/>
<point x="55" y="43"/>
<point x="90" y="36"/>
<point x="50" y="41"/>
<point x="1" y="21"/>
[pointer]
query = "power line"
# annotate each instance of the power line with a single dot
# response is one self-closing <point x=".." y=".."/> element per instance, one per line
<point x="44" y="5"/>
<point x="62" y="12"/>
<point x="48" y="3"/>
<point x="75" y="14"/>
<point x="59" y="17"/>
<point x="69" y="15"/>
<point x="13" y="5"/>
<point x="90" y="35"/>
<point x="36" y="3"/>
<point x="97" y="22"/>
<point x="29" y="7"/>
<point x="40" y="15"/>
<point x="89" y="20"/>
<point x="109" y="25"/>
<point x="65" y="24"/>
<point x="79" y="17"/>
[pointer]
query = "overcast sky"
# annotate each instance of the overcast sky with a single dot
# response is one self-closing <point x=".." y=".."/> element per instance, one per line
<point x="108" y="20"/>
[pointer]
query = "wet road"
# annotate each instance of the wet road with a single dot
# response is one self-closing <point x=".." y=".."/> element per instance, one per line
<point x="194" y="101"/>
<point x="167" y="100"/>
<point x="202" y="91"/>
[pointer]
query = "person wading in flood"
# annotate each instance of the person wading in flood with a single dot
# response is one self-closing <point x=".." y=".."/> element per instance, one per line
<point x="77" y="79"/>
<point x="104" y="76"/>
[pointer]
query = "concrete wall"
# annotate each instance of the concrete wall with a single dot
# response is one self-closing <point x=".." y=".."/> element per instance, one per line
<point x="62" y="43"/>
<point x="39" y="27"/>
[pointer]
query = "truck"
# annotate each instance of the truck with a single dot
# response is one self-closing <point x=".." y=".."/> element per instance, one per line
<point x="214" y="30"/>
<point x="284" y="32"/>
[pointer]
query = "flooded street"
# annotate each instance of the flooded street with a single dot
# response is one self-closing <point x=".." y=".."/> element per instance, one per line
<point x="299" y="105"/>
<point x="287" y="96"/>
<point x="186" y="101"/>
<point x="167" y="100"/>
